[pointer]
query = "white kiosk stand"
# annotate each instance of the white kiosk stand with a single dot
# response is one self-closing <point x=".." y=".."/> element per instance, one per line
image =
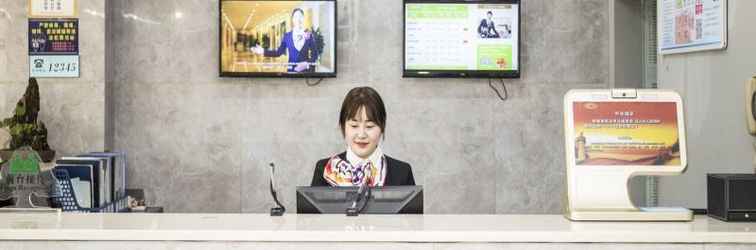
<point x="613" y="135"/>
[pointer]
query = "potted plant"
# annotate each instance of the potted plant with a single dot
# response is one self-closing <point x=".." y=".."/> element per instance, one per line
<point x="24" y="128"/>
<point x="319" y="41"/>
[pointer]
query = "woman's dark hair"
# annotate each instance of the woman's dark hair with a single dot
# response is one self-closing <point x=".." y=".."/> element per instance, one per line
<point x="363" y="97"/>
<point x="295" y="11"/>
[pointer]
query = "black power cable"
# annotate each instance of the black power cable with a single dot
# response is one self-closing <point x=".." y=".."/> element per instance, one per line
<point x="504" y="86"/>
<point x="307" y="82"/>
<point x="367" y="197"/>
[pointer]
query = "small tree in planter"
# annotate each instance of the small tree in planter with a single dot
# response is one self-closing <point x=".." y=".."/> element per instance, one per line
<point x="24" y="128"/>
<point x="319" y="41"/>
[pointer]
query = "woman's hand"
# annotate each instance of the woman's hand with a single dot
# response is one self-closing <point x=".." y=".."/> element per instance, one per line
<point x="301" y="66"/>
<point x="257" y="49"/>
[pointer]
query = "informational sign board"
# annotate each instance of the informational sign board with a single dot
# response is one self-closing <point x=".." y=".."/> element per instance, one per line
<point x="52" y="8"/>
<point x="53" y="36"/>
<point x="24" y="161"/>
<point x="692" y="25"/>
<point x="54" y="66"/>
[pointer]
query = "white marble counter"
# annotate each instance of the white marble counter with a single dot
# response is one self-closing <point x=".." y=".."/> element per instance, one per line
<point x="381" y="228"/>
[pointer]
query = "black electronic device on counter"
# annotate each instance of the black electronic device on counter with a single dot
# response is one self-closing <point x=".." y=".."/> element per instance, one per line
<point x="731" y="197"/>
<point x="378" y="200"/>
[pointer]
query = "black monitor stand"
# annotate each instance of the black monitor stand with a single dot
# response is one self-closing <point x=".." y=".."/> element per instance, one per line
<point x="382" y="200"/>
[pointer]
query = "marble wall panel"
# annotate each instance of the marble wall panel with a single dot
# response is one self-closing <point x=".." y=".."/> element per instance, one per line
<point x="472" y="152"/>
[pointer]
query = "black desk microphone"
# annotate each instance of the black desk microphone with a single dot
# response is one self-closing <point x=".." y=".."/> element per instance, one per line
<point x="362" y="193"/>
<point x="276" y="211"/>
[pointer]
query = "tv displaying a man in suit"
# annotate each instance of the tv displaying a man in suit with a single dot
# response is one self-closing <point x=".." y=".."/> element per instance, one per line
<point x="488" y="28"/>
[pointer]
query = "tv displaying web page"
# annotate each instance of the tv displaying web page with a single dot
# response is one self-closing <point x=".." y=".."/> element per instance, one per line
<point x="462" y="38"/>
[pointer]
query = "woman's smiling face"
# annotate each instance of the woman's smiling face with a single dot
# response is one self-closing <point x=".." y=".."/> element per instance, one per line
<point x="361" y="134"/>
<point x="297" y="20"/>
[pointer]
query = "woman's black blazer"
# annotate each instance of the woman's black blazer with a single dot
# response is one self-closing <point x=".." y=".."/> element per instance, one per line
<point x="398" y="173"/>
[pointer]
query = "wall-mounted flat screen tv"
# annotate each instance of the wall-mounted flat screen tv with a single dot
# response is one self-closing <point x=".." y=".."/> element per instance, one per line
<point x="278" y="38"/>
<point x="462" y="38"/>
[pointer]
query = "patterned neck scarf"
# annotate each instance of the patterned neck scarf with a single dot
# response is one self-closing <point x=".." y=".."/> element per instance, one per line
<point x="354" y="171"/>
<point x="298" y="35"/>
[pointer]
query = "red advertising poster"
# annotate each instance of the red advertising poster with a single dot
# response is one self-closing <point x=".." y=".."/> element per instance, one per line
<point x="626" y="133"/>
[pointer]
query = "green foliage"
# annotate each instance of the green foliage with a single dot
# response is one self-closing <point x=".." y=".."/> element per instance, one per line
<point x="266" y="41"/>
<point x="20" y="110"/>
<point x="319" y="41"/>
<point x="23" y="126"/>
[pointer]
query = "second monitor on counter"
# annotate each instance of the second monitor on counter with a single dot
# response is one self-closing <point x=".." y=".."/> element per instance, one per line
<point x="382" y="200"/>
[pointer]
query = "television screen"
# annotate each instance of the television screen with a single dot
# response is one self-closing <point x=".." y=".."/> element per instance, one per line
<point x="278" y="38"/>
<point x="462" y="38"/>
<point x="626" y="133"/>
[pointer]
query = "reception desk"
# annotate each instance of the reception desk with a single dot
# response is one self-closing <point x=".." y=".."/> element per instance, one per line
<point x="292" y="231"/>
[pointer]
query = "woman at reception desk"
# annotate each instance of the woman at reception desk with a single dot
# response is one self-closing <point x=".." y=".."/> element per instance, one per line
<point x="363" y="123"/>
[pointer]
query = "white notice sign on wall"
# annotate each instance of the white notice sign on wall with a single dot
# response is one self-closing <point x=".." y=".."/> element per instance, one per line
<point x="52" y="8"/>
<point x="692" y="25"/>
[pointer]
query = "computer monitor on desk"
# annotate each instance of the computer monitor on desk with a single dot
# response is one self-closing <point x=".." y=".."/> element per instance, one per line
<point x="382" y="200"/>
